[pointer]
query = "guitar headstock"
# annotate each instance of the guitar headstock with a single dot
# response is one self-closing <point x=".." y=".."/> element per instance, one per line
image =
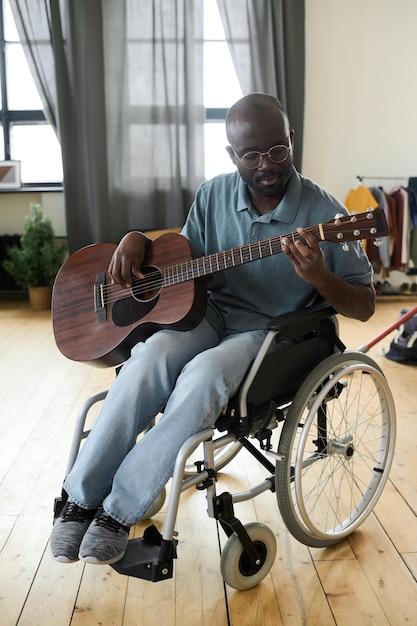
<point x="370" y="225"/>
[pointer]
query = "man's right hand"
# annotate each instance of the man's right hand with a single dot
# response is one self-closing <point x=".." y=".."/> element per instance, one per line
<point x="128" y="258"/>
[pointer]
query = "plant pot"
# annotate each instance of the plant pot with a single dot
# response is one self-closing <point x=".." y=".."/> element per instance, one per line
<point x="40" y="298"/>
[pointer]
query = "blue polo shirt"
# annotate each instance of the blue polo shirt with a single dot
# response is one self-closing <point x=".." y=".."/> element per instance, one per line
<point x="247" y="296"/>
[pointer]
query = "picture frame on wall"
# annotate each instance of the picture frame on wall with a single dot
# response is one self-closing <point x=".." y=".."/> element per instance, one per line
<point x="10" y="175"/>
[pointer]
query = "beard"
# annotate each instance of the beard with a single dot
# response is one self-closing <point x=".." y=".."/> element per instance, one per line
<point x="271" y="184"/>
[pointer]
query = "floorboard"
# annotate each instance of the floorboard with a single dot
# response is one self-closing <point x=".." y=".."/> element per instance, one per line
<point x="370" y="578"/>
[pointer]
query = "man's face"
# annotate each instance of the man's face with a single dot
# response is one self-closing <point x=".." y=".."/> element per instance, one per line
<point x="260" y="133"/>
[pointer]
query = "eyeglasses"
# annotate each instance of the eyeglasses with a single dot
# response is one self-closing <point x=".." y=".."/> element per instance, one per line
<point x="252" y="160"/>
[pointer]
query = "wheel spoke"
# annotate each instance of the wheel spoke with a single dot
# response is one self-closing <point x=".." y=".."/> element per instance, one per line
<point x="338" y="440"/>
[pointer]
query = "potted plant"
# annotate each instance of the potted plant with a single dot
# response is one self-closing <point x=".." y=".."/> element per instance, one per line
<point x="34" y="264"/>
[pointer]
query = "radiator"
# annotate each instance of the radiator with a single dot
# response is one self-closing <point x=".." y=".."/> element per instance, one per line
<point x="6" y="281"/>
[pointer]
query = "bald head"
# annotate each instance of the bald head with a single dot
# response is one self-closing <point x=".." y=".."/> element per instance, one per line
<point x="255" y="125"/>
<point x="251" y="110"/>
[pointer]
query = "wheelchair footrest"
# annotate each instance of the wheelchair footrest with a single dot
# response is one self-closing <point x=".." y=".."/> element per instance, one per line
<point x="59" y="503"/>
<point x="149" y="557"/>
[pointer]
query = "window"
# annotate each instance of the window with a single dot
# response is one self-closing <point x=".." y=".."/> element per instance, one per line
<point x="26" y="135"/>
<point x="221" y="89"/>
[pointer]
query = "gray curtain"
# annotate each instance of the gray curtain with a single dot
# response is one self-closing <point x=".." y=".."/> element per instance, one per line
<point x="266" y="40"/>
<point x="122" y="83"/>
<point x="33" y="21"/>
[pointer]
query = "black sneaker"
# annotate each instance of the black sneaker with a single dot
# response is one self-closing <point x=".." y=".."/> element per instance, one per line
<point x="105" y="540"/>
<point x="68" y="532"/>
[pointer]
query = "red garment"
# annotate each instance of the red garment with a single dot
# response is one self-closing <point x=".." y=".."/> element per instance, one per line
<point x="392" y="222"/>
<point x="399" y="211"/>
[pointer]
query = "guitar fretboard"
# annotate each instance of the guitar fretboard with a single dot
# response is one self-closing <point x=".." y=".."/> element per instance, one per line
<point x="204" y="266"/>
<point x="371" y="224"/>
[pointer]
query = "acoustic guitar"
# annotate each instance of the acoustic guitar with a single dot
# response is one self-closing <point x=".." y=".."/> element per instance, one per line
<point x="99" y="322"/>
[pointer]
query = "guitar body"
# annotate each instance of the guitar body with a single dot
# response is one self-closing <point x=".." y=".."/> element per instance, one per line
<point x="100" y="322"/>
<point x="104" y="335"/>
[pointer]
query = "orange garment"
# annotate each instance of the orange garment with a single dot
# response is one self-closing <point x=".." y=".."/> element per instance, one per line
<point x="359" y="200"/>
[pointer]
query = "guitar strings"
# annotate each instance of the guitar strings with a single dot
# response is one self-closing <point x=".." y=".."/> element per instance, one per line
<point x="112" y="292"/>
<point x="153" y="281"/>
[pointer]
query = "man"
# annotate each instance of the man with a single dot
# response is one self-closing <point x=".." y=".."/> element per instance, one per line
<point x="192" y="374"/>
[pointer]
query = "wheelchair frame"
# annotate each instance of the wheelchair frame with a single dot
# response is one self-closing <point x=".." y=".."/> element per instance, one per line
<point x="328" y="470"/>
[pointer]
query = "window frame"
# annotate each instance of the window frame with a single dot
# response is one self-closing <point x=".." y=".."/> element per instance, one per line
<point x="8" y="117"/>
<point x="215" y="114"/>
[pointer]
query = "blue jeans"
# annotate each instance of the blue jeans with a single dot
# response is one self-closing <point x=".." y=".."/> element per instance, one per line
<point x="192" y="374"/>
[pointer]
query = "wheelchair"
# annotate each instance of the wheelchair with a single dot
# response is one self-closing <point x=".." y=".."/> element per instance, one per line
<point x="333" y="415"/>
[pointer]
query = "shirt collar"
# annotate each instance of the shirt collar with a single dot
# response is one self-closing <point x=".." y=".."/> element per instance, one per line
<point x="286" y="210"/>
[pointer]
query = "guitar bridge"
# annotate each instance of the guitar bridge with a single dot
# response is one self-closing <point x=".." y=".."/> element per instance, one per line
<point x="99" y="304"/>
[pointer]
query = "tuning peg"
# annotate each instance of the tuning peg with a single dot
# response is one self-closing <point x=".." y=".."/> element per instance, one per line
<point x="345" y="246"/>
<point x="377" y="242"/>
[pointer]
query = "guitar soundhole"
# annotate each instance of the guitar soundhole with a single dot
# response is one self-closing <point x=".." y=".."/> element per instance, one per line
<point x="149" y="287"/>
<point x="143" y="299"/>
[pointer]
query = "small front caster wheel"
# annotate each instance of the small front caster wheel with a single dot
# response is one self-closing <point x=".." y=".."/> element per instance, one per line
<point x="156" y="505"/>
<point x="236" y="568"/>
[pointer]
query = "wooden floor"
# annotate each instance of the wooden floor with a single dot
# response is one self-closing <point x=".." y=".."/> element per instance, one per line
<point x="368" y="579"/>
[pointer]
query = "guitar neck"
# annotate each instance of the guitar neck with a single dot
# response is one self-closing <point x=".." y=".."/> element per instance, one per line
<point x="219" y="261"/>
<point x="369" y="225"/>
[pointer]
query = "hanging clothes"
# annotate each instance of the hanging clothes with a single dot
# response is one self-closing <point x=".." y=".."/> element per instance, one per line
<point x="413" y="251"/>
<point x="384" y="248"/>
<point x="392" y="222"/>
<point x="399" y="250"/>
<point x="360" y="199"/>
<point x="412" y="197"/>
<point x="405" y="242"/>
<point x="397" y="196"/>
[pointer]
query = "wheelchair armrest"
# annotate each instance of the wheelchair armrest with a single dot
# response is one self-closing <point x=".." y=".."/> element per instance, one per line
<point x="300" y="321"/>
<point x="315" y="338"/>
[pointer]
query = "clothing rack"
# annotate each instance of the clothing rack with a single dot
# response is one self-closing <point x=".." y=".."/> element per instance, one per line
<point x="401" y="254"/>
<point x="362" y="178"/>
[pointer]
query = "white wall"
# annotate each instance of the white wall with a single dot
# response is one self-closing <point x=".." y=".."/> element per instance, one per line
<point x="361" y="101"/>
<point x="15" y="206"/>
<point x="361" y="91"/>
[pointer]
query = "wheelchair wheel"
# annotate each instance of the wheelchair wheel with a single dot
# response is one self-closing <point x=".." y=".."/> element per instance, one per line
<point x="222" y="456"/>
<point x="235" y="566"/>
<point x="338" y="441"/>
